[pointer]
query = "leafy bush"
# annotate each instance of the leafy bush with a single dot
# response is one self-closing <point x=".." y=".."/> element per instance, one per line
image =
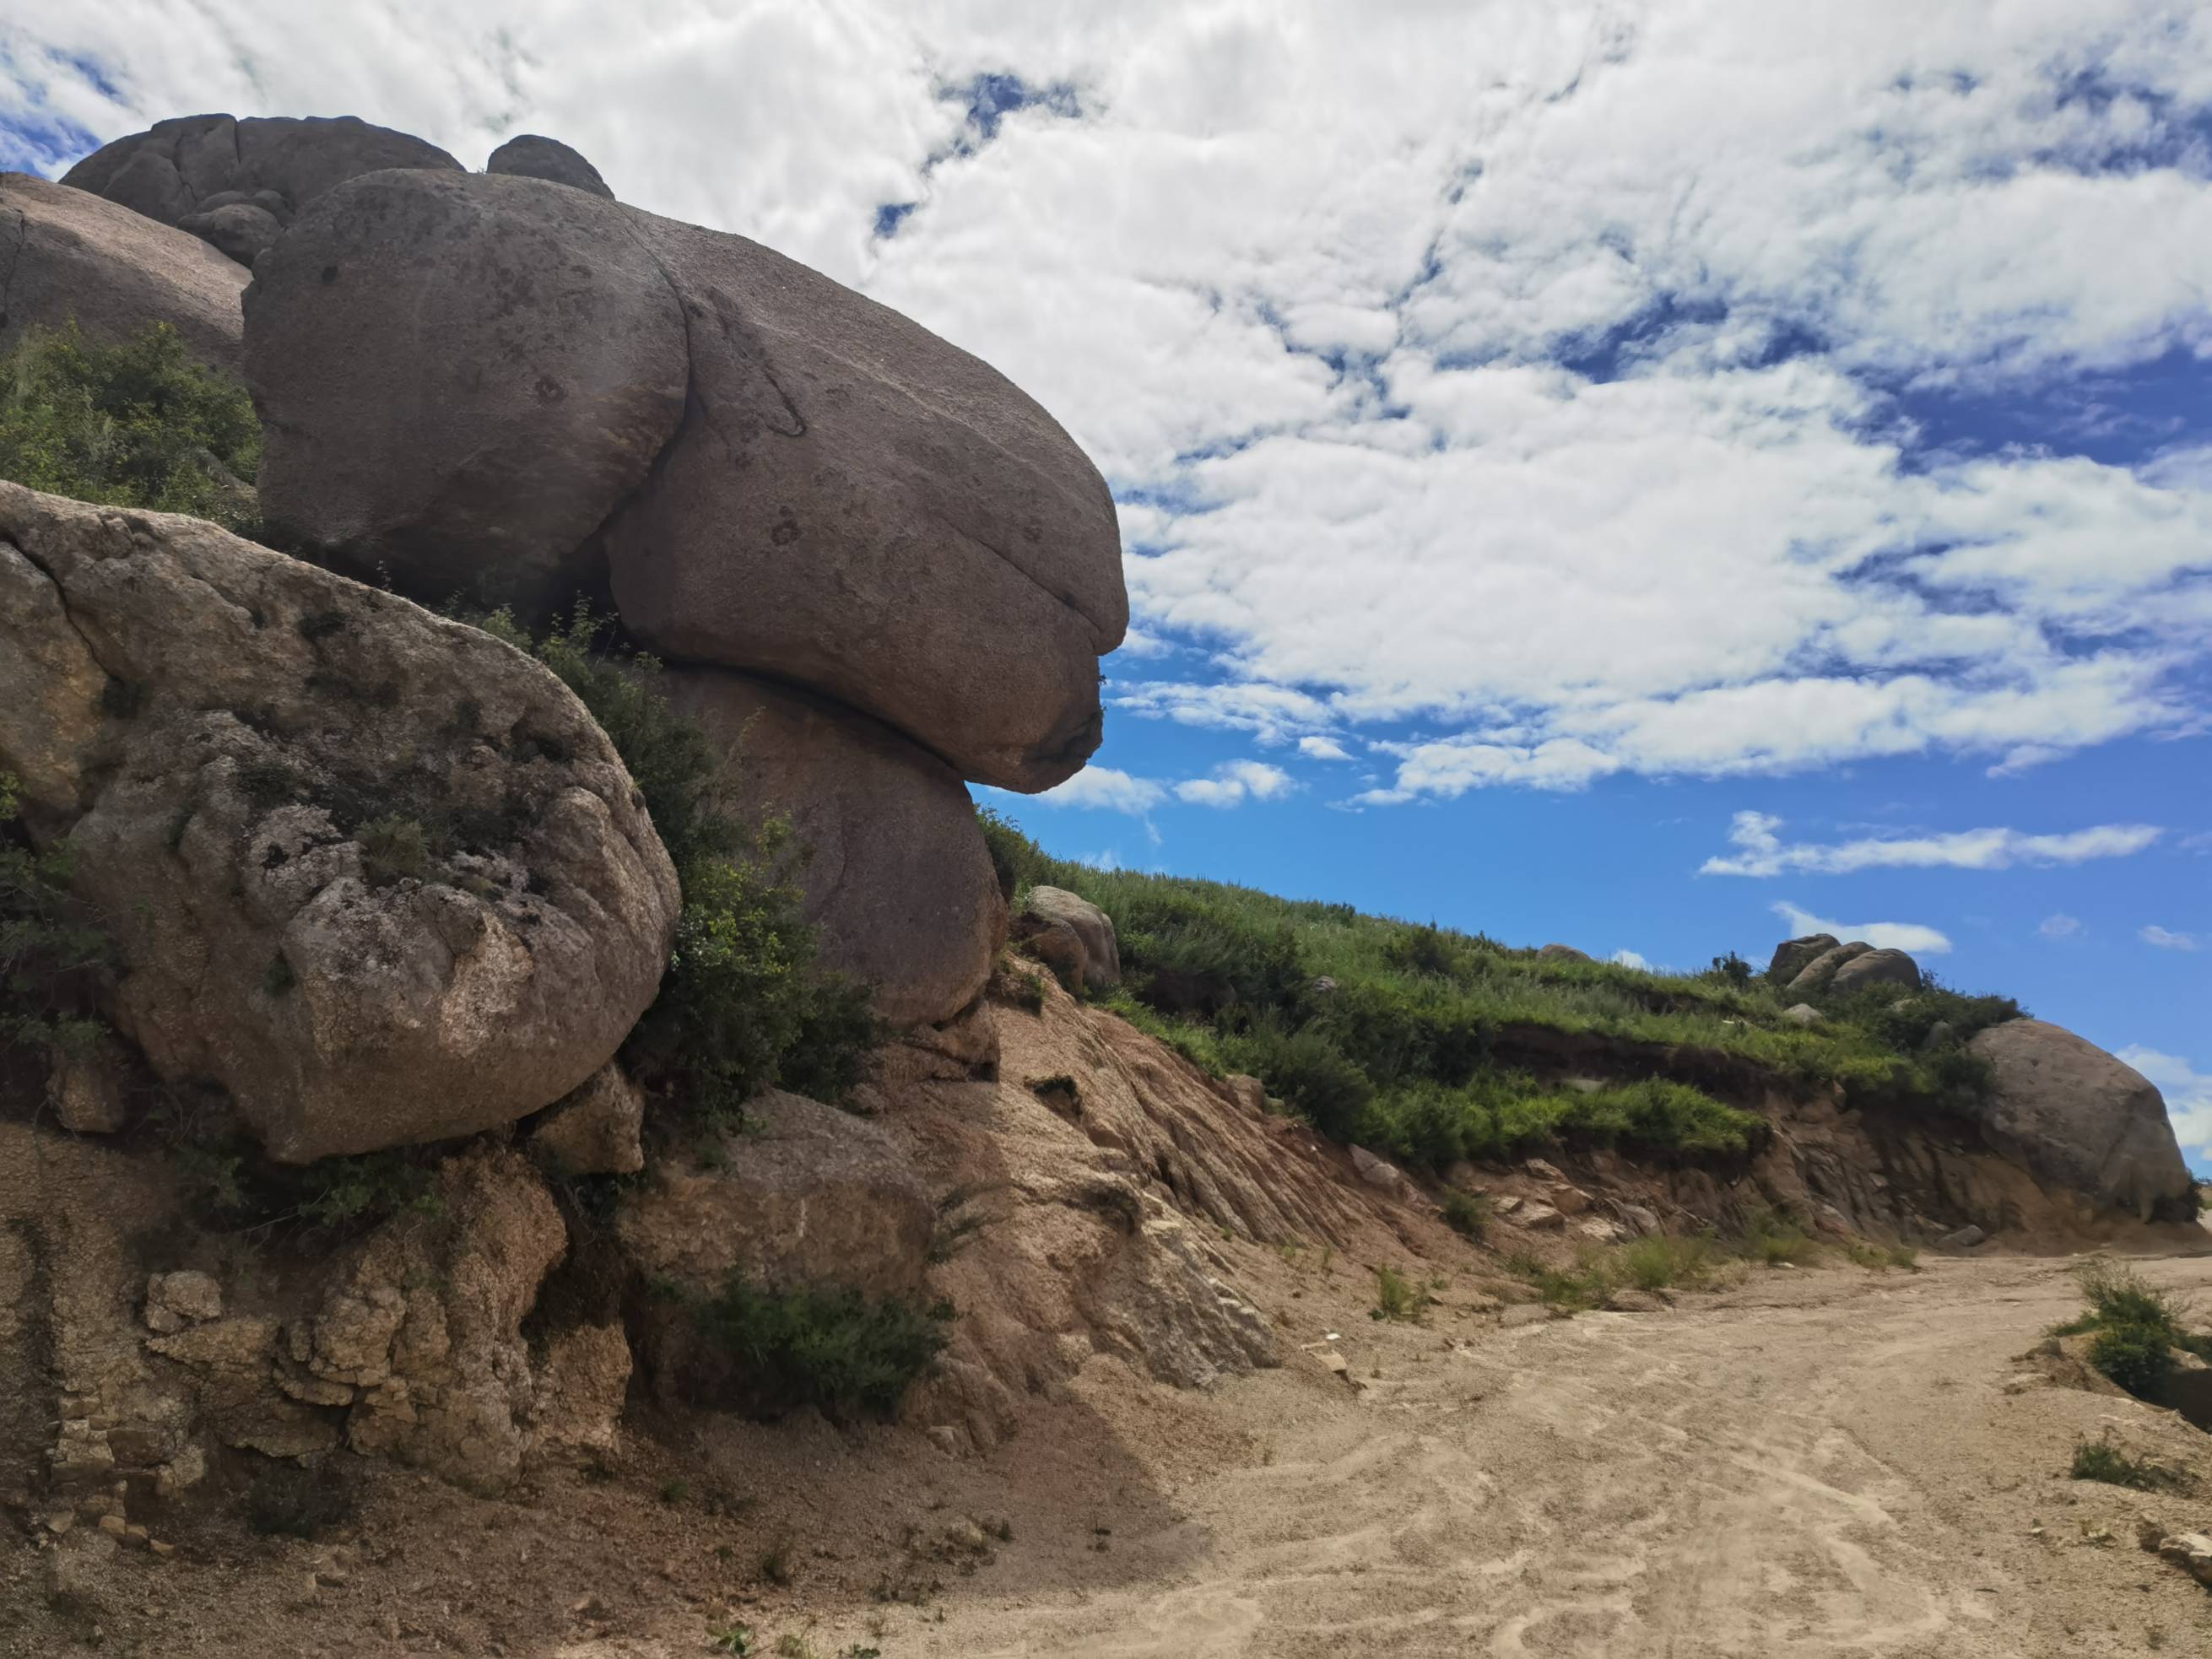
<point x="832" y="1349"/>
<point x="2138" y="1358"/>
<point x="1309" y="1071"/>
<point x="1662" y="1261"/>
<point x="1766" y="1235"/>
<point x="743" y="1007"/>
<point x="54" y="955"/>
<point x="138" y="423"/>
<point x="1467" y="1214"/>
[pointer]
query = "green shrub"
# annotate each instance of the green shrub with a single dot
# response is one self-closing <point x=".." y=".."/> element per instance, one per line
<point x="2100" y="1460"/>
<point x="54" y="954"/>
<point x="833" y="1349"/>
<point x="1662" y="1261"/>
<point x="137" y="424"/>
<point x="2138" y="1358"/>
<point x="1309" y="1071"/>
<point x="743" y="1007"/>
<point x="1467" y="1214"/>
<point x="1017" y="861"/>
<point x="391" y="848"/>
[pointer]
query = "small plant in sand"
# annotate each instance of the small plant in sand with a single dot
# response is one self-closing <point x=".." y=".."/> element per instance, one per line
<point x="1399" y="1298"/>
<point x="2100" y="1460"/>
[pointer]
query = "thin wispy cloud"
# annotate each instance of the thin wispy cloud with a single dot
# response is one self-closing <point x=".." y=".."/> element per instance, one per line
<point x="2060" y="926"/>
<point x="1106" y="788"/>
<point x="1760" y="850"/>
<point x="1921" y="941"/>
<point x="2165" y="939"/>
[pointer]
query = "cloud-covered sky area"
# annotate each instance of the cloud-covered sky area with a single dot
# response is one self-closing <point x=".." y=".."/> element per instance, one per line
<point x="1636" y="473"/>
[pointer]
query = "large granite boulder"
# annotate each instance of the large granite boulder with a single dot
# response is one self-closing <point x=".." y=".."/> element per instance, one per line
<point x="1072" y="935"/>
<point x="461" y="375"/>
<point x="1876" y="967"/>
<point x="194" y="167"/>
<point x="898" y="883"/>
<point x="376" y="873"/>
<point x="529" y="155"/>
<point x="848" y="502"/>
<point x="1793" y="956"/>
<point x="71" y="256"/>
<point x="2082" y="1119"/>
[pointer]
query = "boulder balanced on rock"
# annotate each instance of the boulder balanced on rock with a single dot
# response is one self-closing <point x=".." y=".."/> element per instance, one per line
<point x="378" y="875"/>
<point x="495" y="383"/>
<point x="898" y="884"/>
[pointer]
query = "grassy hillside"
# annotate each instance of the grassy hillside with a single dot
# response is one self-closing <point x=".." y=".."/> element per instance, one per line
<point x="1436" y="1045"/>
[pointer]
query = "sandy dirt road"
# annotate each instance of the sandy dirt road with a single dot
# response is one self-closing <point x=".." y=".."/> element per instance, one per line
<point x="1813" y="1463"/>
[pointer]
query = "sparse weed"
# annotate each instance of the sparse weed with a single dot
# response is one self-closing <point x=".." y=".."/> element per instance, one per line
<point x="2100" y="1460"/>
<point x="1400" y="1298"/>
<point x="1467" y="1214"/>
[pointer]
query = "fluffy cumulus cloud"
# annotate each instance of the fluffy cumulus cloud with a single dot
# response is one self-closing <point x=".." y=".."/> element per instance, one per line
<point x="1628" y="958"/>
<point x="1231" y="784"/>
<point x="1760" y="850"/>
<point x="2188" y="1094"/>
<point x="1560" y="377"/>
<point x="1882" y="935"/>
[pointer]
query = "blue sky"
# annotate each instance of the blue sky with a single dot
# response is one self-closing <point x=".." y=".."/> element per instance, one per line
<point x="1633" y="475"/>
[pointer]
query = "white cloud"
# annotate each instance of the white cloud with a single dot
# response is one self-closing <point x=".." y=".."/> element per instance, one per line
<point x="1109" y="859"/>
<point x="1762" y="851"/>
<point x="1231" y="784"/>
<point x="2060" y="925"/>
<point x="1107" y="787"/>
<point x="1628" y="958"/>
<point x="1327" y="749"/>
<point x="2167" y="939"/>
<point x="1921" y="941"/>
<point x="2188" y="1094"/>
<point x="1524" y="369"/>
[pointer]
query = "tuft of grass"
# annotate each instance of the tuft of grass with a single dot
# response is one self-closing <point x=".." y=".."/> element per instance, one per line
<point x="733" y="1639"/>
<point x="1881" y="1258"/>
<point x="1467" y="1214"/>
<point x="1768" y="1237"/>
<point x="134" y="423"/>
<point x="1663" y="1261"/>
<point x="2100" y="1460"/>
<point x="392" y="848"/>
<point x="1399" y="1298"/>
<point x="833" y="1349"/>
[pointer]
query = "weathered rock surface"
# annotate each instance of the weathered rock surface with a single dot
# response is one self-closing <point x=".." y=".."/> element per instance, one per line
<point x="1815" y="975"/>
<point x="2082" y="1119"/>
<point x="849" y="503"/>
<point x="421" y="1332"/>
<point x="462" y="376"/>
<point x="237" y="230"/>
<point x="195" y="166"/>
<point x="1876" y="967"/>
<point x="529" y="155"/>
<point x="376" y="873"/>
<point x="71" y="255"/>
<point x="1072" y="935"/>
<point x="807" y="1195"/>
<point x="1563" y="953"/>
<point x="1803" y="1013"/>
<point x="594" y="1129"/>
<point x="1791" y="957"/>
<point x="89" y="1091"/>
<point x="898" y="880"/>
